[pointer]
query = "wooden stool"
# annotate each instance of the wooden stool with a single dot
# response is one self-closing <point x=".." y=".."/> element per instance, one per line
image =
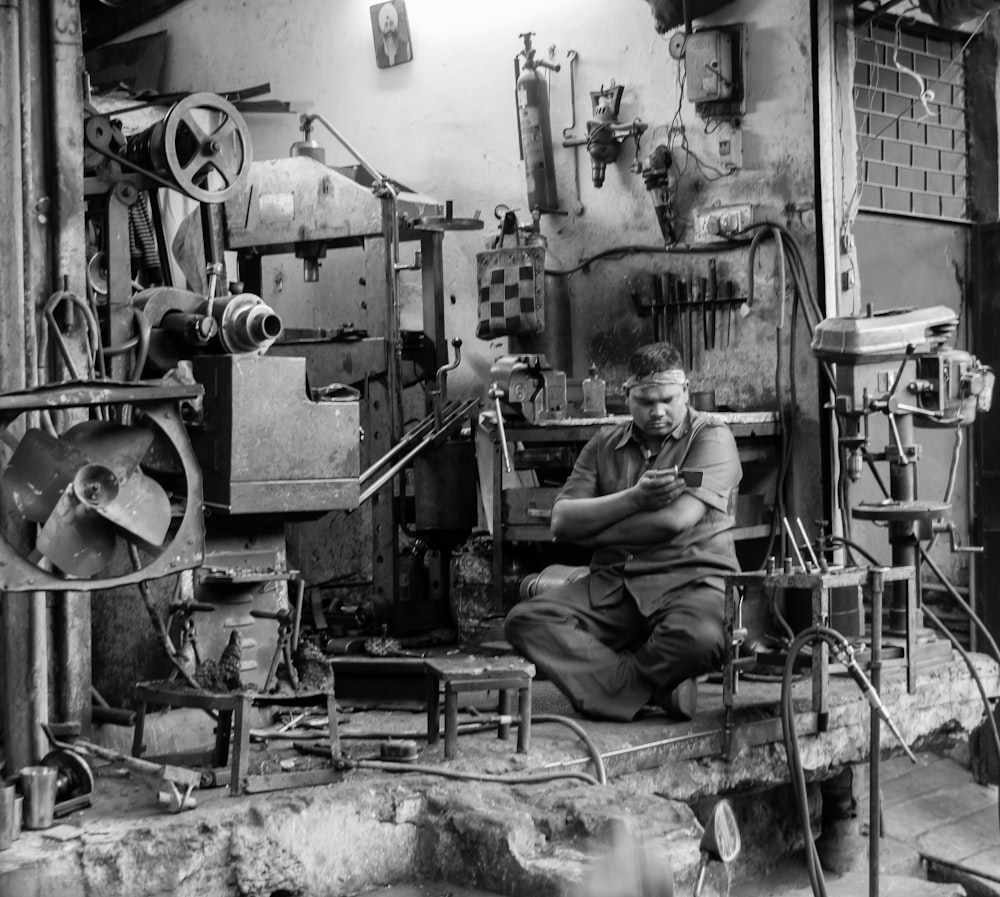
<point x="461" y="674"/>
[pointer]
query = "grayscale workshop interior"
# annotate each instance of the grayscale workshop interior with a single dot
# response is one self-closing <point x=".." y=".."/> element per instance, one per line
<point x="275" y="462"/>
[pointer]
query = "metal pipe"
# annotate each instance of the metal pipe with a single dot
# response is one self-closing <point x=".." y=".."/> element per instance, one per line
<point x="71" y="643"/>
<point x="902" y="539"/>
<point x="64" y="113"/>
<point x="23" y="699"/>
<point x="877" y="578"/>
<point x="373" y="172"/>
<point x="417" y="432"/>
<point x="795" y="547"/>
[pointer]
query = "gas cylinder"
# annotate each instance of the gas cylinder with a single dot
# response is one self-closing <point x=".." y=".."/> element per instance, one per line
<point x="536" y="130"/>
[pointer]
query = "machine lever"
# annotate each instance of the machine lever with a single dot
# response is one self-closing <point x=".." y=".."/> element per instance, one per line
<point x="903" y="460"/>
<point x="495" y="393"/>
<point x="795" y="547"/>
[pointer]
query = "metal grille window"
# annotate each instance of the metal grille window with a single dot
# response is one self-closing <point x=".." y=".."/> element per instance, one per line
<point x="914" y="153"/>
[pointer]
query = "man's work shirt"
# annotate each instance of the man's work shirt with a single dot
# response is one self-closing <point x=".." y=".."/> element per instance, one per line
<point x="613" y="460"/>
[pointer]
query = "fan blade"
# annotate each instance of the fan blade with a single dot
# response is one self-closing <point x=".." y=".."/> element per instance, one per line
<point x="39" y="471"/>
<point x="141" y="509"/>
<point x="117" y="447"/>
<point x="75" y="539"/>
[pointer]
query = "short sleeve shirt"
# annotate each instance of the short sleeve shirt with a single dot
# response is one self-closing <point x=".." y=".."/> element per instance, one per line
<point x="613" y="460"/>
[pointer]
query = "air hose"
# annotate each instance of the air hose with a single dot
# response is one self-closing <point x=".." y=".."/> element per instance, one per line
<point x="600" y="776"/>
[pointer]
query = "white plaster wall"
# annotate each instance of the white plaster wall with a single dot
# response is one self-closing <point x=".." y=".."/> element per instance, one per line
<point x="445" y="124"/>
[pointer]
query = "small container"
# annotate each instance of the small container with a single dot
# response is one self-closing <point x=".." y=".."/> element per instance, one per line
<point x="703" y="400"/>
<point x="594" y="395"/>
<point x="38" y="786"/>
<point x="8" y="810"/>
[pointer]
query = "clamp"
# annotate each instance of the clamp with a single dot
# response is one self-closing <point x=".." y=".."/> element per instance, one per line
<point x="283" y="647"/>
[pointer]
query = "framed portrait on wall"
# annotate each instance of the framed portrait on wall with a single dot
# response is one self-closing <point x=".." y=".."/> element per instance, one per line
<point x="391" y="31"/>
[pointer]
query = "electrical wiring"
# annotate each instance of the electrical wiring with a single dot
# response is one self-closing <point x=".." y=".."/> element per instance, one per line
<point x="791" y="265"/>
<point x="960" y="601"/>
<point x="618" y="252"/>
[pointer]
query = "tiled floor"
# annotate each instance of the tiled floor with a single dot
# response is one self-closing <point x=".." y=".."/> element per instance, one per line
<point x="943" y="813"/>
<point x="934" y="809"/>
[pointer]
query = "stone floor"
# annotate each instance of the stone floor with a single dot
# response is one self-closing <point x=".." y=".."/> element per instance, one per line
<point x="465" y="822"/>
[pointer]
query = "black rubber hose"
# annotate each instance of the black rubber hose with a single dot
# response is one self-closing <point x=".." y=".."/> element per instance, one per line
<point x="592" y="750"/>
<point x="796" y="775"/>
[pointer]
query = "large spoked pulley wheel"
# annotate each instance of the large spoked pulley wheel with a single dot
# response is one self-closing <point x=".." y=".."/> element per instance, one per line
<point x="203" y="143"/>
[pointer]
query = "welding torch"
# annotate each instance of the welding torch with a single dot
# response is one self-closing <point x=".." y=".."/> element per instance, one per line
<point x="844" y="653"/>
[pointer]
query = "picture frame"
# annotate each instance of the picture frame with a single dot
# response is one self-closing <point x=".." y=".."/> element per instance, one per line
<point x="391" y="33"/>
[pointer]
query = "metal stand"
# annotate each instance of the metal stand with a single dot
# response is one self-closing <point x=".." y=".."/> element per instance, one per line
<point x="818" y="584"/>
<point x="234" y="731"/>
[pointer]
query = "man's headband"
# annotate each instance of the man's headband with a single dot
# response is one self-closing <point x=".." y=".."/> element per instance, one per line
<point x="657" y="378"/>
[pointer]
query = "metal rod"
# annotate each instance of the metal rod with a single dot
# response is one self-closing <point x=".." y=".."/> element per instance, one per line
<point x="300" y="592"/>
<point x="420" y="430"/>
<point x="805" y="536"/>
<point x="449" y="421"/>
<point x="795" y="547"/>
<point x="365" y="164"/>
<point x="877" y="579"/>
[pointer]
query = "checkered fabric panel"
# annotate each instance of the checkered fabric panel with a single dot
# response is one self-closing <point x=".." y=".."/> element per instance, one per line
<point x="510" y="291"/>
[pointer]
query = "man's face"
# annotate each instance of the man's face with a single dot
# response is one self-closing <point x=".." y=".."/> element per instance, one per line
<point x="660" y="11"/>
<point x="658" y="408"/>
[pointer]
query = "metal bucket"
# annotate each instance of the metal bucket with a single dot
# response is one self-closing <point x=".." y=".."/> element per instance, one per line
<point x="550" y="577"/>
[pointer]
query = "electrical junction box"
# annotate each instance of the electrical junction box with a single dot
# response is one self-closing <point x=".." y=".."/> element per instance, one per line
<point x="708" y="57"/>
<point x="715" y="66"/>
<point x="721" y="222"/>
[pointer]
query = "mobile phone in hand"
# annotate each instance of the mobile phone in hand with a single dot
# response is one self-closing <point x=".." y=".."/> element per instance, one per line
<point x="691" y="477"/>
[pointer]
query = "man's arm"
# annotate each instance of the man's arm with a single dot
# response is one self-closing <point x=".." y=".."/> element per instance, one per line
<point x="651" y="527"/>
<point x="588" y="520"/>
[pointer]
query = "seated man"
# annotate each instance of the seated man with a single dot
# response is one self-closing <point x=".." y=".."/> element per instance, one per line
<point x="648" y="618"/>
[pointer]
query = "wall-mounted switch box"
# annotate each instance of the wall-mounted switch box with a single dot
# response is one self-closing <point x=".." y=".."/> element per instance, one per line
<point x="715" y="61"/>
<point x="731" y="149"/>
<point x="721" y="222"/>
<point x="708" y="57"/>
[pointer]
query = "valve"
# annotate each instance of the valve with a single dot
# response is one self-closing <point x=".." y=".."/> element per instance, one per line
<point x="496" y="394"/>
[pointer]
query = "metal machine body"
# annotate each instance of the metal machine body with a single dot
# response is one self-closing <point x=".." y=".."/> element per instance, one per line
<point x="261" y="439"/>
<point x="900" y="363"/>
<point x="300" y="205"/>
<point x="286" y="455"/>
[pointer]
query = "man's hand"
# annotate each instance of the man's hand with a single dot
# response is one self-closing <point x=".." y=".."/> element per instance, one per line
<point x="657" y="488"/>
